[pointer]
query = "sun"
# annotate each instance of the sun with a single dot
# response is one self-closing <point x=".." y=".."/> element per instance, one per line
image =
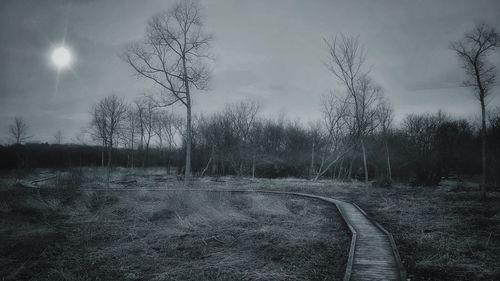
<point x="61" y="57"/>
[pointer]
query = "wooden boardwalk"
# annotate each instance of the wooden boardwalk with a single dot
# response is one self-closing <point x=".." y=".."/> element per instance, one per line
<point x="373" y="254"/>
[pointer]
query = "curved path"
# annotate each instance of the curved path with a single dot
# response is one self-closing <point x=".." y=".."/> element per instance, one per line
<point x="373" y="254"/>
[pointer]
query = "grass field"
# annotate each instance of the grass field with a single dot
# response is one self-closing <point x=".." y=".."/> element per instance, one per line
<point x="67" y="233"/>
<point x="442" y="233"/>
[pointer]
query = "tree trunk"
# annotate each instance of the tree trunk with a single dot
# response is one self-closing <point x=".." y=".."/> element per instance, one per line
<point x="311" y="171"/>
<point x="164" y="156"/>
<point x="349" y="172"/>
<point x="483" y="148"/>
<point x="322" y="171"/>
<point x="102" y="154"/>
<point x="389" y="169"/>
<point x="132" y="159"/>
<point x="482" y="94"/>
<point x="143" y="158"/>
<point x="169" y="157"/>
<point x="341" y="169"/>
<point x="187" y="174"/>
<point x="206" y="167"/>
<point x="187" y="171"/>
<point x="215" y="162"/>
<point x="365" y="166"/>
<point x="108" y="172"/>
<point x="209" y="161"/>
<point x="253" y="166"/>
<point x="146" y="162"/>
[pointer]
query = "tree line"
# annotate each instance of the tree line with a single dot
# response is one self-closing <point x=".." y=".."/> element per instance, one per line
<point x="422" y="149"/>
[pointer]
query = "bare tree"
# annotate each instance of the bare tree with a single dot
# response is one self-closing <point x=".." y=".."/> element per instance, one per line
<point x="129" y="133"/>
<point x="139" y="112"/>
<point x="473" y="51"/>
<point x="363" y="114"/>
<point x="243" y="116"/>
<point x="98" y="129"/>
<point x="107" y="118"/>
<point x="172" y="56"/>
<point x="146" y="110"/>
<point x="316" y="133"/>
<point x="158" y="130"/>
<point x="346" y="61"/>
<point x="335" y="113"/>
<point x="19" y="130"/>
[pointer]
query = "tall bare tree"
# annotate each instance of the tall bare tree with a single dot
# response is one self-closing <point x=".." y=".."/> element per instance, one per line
<point x="346" y="61"/>
<point x="473" y="51"/>
<point x="19" y="130"/>
<point x="107" y="118"/>
<point x="172" y="56"/>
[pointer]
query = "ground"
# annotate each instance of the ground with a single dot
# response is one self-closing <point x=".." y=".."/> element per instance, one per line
<point x="442" y="233"/>
<point x="68" y="233"/>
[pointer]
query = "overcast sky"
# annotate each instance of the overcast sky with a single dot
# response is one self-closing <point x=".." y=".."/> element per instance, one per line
<point x="266" y="50"/>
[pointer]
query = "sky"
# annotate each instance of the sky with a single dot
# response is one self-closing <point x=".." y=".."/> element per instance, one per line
<point x="270" y="51"/>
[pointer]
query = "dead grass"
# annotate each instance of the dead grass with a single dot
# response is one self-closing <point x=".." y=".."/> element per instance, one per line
<point x="150" y="235"/>
<point x="442" y="233"/>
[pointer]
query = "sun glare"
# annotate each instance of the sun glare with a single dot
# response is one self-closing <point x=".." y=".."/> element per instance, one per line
<point x="61" y="57"/>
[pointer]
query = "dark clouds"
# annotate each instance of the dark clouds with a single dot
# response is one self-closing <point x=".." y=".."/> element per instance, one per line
<point x="270" y="51"/>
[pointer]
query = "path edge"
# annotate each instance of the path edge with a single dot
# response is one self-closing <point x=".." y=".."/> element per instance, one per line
<point x="401" y="269"/>
<point x="354" y="238"/>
